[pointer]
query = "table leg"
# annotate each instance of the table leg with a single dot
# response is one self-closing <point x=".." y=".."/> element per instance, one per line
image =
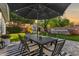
<point x="41" y="50"/>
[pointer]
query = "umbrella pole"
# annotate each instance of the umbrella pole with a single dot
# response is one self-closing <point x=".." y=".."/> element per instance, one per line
<point x="37" y="30"/>
<point x="46" y="31"/>
<point x="37" y="25"/>
<point x="45" y="27"/>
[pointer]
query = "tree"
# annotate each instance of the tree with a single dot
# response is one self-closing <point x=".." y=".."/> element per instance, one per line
<point x="58" y="22"/>
<point x="64" y="22"/>
<point x="20" y="19"/>
<point x="54" y="22"/>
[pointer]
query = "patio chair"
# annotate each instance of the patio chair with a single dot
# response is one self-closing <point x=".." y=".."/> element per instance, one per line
<point x="17" y="49"/>
<point x="58" y="45"/>
<point x="24" y="46"/>
<point x="22" y="49"/>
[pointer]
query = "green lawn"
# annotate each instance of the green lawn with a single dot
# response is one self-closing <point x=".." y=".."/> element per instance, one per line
<point x="67" y="37"/>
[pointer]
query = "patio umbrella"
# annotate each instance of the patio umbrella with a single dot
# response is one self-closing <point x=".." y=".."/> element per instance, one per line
<point x="38" y="11"/>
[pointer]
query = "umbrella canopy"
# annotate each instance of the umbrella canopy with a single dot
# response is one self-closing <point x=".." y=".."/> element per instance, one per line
<point x="38" y="10"/>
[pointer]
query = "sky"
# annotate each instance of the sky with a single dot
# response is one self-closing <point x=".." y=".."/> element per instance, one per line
<point x="72" y="13"/>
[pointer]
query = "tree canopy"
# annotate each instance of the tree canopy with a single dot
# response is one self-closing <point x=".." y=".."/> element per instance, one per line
<point x="57" y="22"/>
<point x="54" y="22"/>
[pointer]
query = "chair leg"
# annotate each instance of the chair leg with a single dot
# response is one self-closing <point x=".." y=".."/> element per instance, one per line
<point x="20" y="45"/>
<point x="25" y="50"/>
<point x="51" y="43"/>
<point x="31" y="41"/>
<point x="21" y="49"/>
<point x="63" y="53"/>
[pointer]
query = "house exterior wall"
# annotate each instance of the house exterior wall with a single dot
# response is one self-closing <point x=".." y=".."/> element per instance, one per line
<point x="2" y="25"/>
<point x="4" y="17"/>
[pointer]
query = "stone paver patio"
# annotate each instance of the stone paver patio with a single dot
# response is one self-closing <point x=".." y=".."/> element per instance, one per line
<point x="71" y="47"/>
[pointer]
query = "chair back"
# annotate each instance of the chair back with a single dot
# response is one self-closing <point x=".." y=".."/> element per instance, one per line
<point x="23" y="42"/>
<point x="58" y="47"/>
<point x="20" y="38"/>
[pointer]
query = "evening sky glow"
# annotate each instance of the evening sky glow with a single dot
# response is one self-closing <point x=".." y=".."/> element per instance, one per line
<point x="72" y="13"/>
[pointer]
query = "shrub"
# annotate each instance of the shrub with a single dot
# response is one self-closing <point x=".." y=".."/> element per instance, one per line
<point x="15" y="37"/>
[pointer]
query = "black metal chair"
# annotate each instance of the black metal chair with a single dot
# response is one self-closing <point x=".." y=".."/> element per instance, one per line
<point x="58" y="45"/>
<point x="22" y="49"/>
<point x="25" y="48"/>
<point x="23" y="45"/>
<point x="19" y="49"/>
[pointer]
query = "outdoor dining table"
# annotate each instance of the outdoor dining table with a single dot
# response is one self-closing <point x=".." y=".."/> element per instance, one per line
<point x="41" y="41"/>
